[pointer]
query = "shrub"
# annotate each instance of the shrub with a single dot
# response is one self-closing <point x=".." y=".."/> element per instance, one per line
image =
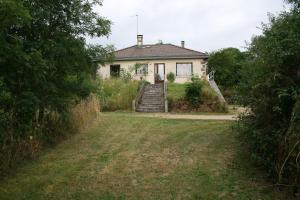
<point x="193" y="91"/>
<point x="171" y="77"/>
<point x="125" y="76"/>
<point x="270" y="86"/>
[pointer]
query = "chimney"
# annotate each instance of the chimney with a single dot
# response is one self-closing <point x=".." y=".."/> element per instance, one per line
<point x="139" y="40"/>
<point x="182" y="44"/>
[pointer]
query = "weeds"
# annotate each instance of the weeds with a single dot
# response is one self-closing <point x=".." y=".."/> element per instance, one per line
<point x="116" y="94"/>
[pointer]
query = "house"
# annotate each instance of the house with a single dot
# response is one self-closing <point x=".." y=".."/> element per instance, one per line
<point x="156" y="61"/>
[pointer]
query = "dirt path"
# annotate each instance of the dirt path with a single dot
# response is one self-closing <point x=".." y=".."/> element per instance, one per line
<point x="189" y="116"/>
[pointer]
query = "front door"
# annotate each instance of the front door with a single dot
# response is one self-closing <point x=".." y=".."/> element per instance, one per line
<point x="159" y="72"/>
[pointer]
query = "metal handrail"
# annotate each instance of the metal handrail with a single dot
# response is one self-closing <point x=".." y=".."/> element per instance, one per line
<point x="211" y="75"/>
<point x="165" y="95"/>
<point x="165" y="89"/>
<point x="139" y="95"/>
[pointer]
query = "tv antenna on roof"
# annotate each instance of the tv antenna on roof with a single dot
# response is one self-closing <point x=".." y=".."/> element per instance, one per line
<point x="137" y="24"/>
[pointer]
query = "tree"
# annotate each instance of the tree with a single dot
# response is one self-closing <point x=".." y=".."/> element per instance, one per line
<point x="227" y="64"/>
<point x="45" y="64"/>
<point x="270" y="85"/>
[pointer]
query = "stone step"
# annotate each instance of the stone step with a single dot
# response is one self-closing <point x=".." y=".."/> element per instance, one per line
<point x="159" y="91"/>
<point x="150" y="110"/>
<point x="154" y="86"/>
<point x="151" y="102"/>
<point x="153" y="94"/>
<point x="150" y="107"/>
<point x="152" y="97"/>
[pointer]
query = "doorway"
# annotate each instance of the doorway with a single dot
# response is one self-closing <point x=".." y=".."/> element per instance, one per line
<point x="159" y="72"/>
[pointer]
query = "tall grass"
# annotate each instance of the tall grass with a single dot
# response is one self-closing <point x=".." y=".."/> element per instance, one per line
<point x="85" y="113"/>
<point x="17" y="146"/>
<point x="116" y="94"/>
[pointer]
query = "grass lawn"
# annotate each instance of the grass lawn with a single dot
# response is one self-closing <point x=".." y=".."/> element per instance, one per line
<point x="127" y="157"/>
<point x="176" y="91"/>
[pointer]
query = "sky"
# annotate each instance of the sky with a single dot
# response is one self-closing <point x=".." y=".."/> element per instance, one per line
<point x="204" y="25"/>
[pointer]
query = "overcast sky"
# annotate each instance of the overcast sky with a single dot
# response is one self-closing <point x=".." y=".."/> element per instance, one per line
<point x="205" y="25"/>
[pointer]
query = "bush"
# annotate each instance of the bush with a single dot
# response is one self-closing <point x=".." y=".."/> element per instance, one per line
<point x="231" y="95"/>
<point x="193" y="91"/>
<point x="270" y="86"/>
<point x="171" y="77"/>
<point x="115" y="94"/>
<point x="125" y="76"/>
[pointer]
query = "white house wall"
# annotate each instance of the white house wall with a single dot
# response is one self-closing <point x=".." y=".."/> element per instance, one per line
<point x="199" y="68"/>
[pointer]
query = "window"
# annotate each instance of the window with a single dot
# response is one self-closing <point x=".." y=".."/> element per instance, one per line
<point x="141" y="69"/>
<point x="184" y="69"/>
<point x="115" y="70"/>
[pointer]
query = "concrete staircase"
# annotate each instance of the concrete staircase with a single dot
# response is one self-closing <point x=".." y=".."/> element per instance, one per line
<point x="152" y="99"/>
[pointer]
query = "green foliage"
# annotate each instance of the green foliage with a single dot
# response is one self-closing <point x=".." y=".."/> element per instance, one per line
<point x="171" y="77"/>
<point x="193" y="91"/>
<point x="209" y="101"/>
<point x="115" y="94"/>
<point x="125" y="75"/>
<point x="227" y="64"/>
<point x="45" y="66"/>
<point x="271" y="87"/>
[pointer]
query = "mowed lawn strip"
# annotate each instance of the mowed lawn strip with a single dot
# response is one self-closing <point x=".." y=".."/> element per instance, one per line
<point x="127" y="157"/>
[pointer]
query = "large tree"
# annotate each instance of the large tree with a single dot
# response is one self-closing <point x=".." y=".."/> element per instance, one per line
<point x="45" y="63"/>
<point x="227" y="64"/>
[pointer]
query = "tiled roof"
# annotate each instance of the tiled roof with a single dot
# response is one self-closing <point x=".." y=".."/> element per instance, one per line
<point x="157" y="51"/>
